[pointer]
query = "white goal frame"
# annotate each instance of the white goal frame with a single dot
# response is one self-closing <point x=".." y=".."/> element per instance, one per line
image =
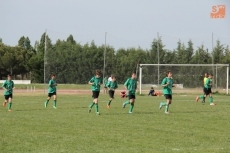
<point x="213" y="65"/>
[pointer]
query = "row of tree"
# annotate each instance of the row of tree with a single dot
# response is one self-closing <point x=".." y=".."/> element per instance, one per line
<point x="75" y="63"/>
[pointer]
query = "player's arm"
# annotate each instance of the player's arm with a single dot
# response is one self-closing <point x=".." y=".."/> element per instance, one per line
<point x="55" y="84"/>
<point x="4" y="86"/>
<point x="210" y="83"/>
<point x="164" y="83"/>
<point x="91" y="81"/>
<point x="51" y="83"/>
<point x="108" y="85"/>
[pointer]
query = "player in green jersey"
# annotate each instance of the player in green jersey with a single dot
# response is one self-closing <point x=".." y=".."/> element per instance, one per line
<point x="131" y="87"/>
<point x="204" y="95"/>
<point x="167" y="84"/>
<point x="96" y="82"/>
<point x="52" y="91"/>
<point x="112" y="85"/>
<point x="208" y="89"/>
<point x="8" y="87"/>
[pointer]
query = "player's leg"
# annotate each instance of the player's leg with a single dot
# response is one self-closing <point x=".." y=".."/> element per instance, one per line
<point x="55" y="100"/>
<point x="111" y="95"/>
<point x="210" y="98"/>
<point x="163" y="103"/>
<point x="96" y="104"/>
<point x="5" y="101"/>
<point x="167" y="106"/>
<point x="96" y="95"/>
<point x="10" y="102"/>
<point x="126" y="102"/>
<point x="201" y="96"/>
<point x="132" y="101"/>
<point x="109" y="102"/>
<point x="169" y="101"/>
<point x="92" y="104"/>
<point x="149" y="93"/>
<point x="203" y="100"/>
<point x="47" y="100"/>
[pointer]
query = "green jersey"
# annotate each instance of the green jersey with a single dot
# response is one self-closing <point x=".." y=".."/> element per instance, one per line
<point x="208" y="83"/>
<point x="167" y="90"/>
<point x="52" y="86"/>
<point x="112" y="85"/>
<point x="96" y="83"/>
<point x="131" y="85"/>
<point x="9" y="85"/>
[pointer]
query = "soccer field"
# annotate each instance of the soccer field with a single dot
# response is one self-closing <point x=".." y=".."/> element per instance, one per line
<point x="190" y="126"/>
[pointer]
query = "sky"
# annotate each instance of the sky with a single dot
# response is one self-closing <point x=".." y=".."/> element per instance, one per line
<point x="118" y="23"/>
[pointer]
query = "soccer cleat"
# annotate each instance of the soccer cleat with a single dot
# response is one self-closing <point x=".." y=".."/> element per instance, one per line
<point x="9" y="110"/>
<point x="123" y="105"/>
<point x="212" y="104"/>
<point x="54" y="107"/>
<point x="4" y="104"/>
<point x="130" y="112"/>
<point x="197" y="98"/>
<point x="160" y="106"/>
<point x="97" y="113"/>
<point x="108" y="106"/>
<point x="166" y="112"/>
<point x="89" y="110"/>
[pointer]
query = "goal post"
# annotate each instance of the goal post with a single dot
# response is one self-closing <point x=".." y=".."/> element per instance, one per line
<point x="188" y="75"/>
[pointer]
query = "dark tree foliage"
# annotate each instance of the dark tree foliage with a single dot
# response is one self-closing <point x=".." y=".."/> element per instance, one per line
<point x="74" y="63"/>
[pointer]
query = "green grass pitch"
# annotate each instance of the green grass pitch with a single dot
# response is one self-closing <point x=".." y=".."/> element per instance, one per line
<point x="190" y="127"/>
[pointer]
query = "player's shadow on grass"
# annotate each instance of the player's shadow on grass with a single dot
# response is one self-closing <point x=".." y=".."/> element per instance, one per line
<point x="153" y="112"/>
<point x="124" y="113"/>
<point x="191" y="112"/>
<point x="28" y="110"/>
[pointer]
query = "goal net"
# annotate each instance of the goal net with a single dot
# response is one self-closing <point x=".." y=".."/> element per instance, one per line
<point x="187" y="77"/>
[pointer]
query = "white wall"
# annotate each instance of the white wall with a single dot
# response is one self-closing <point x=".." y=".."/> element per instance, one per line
<point x="19" y="81"/>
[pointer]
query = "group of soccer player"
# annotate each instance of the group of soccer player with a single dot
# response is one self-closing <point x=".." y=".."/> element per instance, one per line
<point x="207" y="89"/>
<point x="130" y="87"/>
<point x="111" y="84"/>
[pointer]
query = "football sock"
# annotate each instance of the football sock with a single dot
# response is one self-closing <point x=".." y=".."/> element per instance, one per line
<point x="55" y="103"/>
<point x="203" y="99"/>
<point x="163" y="103"/>
<point x="9" y="105"/>
<point x="127" y="102"/>
<point x="131" y="108"/>
<point x="91" y="105"/>
<point x="96" y="107"/>
<point x="201" y="96"/>
<point x="47" y="101"/>
<point x="109" y="102"/>
<point x="167" y="108"/>
<point x="210" y="100"/>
